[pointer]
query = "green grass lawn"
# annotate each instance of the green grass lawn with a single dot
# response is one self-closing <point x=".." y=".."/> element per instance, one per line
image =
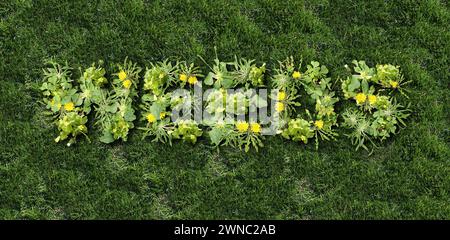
<point x="407" y="177"/>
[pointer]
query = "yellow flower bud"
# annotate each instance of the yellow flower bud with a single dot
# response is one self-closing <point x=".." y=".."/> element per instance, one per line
<point x="255" y="127"/>
<point x="281" y="96"/>
<point x="360" y="98"/>
<point x="242" y="126"/>
<point x="122" y="75"/>
<point x="192" y="80"/>
<point x="151" y="118"/>
<point x="279" y="106"/>
<point x="127" y="83"/>
<point x="183" y="77"/>
<point x="394" y="84"/>
<point x="318" y="124"/>
<point x="296" y="75"/>
<point x="372" y="99"/>
<point x="69" y="106"/>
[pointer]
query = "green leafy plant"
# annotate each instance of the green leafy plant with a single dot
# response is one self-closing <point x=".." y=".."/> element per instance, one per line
<point x="70" y="126"/>
<point x="298" y="129"/>
<point x="360" y="126"/>
<point x="246" y="73"/>
<point x="156" y="115"/>
<point x="286" y="83"/>
<point x="160" y="76"/>
<point x="64" y="101"/>
<point x="220" y="76"/>
<point x="374" y="116"/>
<point x="115" y="113"/>
<point x="390" y="78"/>
<point x="247" y="134"/>
<point x="221" y="134"/>
<point x="315" y="86"/>
<point x="241" y="135"/>
<point x="318" y="85"/>
<point x="188" y="74"/>
<point x="315" y="80"/>
<point x="377" y="116"/>
<point x="91" y="83"/>
<point x="287" y="76"/>
<point x="187" y="130"/>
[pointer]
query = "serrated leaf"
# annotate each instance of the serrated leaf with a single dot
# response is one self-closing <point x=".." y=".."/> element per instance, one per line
<point x="354" y="84"/>
<point x="217" y="85"/>
<point x="147" y="97"/>
<point x="209" y="79"/>
<point x="87" y="109"/>
<point x="107" y="137"/>
<point x="112" y="108"/>
<point x="129" y="115"/>
<point x="216" y="136"/>
<point x="365" y="86"/>
<point x="156" y="109"/>
<point x="315" y="64"/>
<point x="227" y="82"/>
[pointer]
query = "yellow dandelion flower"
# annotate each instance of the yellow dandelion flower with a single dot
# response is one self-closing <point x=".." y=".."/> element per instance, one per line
<point x="255" y="127"/>
<point x="127" y="83"/>
<point x="296" y="75"/>
<point x="122" y="75"/>
<point x="360" y="98"/>
<point x="242" y="126"/>
<point x="279" y="106"/>
<point x="69" y="106"/>
<point x="192" y="80"/>
<point x="318" y="124"/>
<point x="281" y="96"/>
<point x="372" y="99"/>
<point x="394" y="84"/>
<point x="151" y="118"/>
<point x="183" y="77"/>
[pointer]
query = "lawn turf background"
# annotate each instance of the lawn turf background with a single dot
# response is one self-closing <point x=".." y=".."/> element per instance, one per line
<point x="408" y="177"/>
